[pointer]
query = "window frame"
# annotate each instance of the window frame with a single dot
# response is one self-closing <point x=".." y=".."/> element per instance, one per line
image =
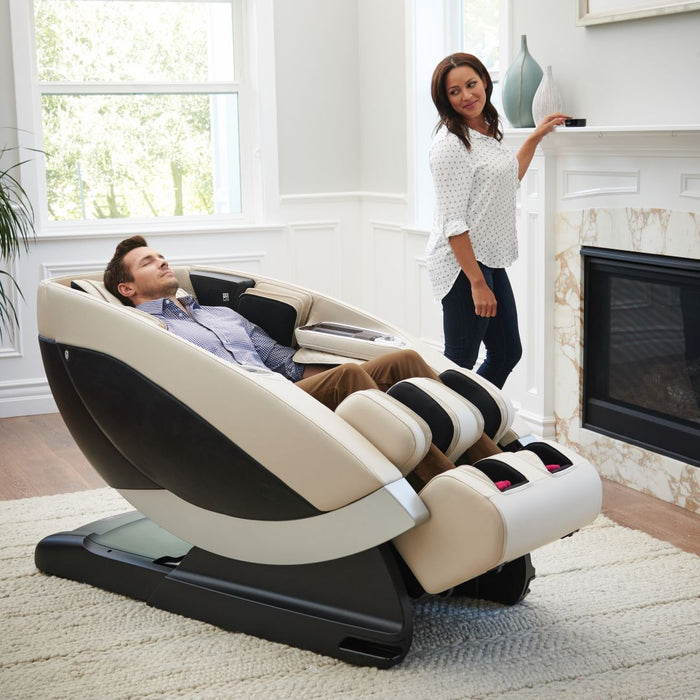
<point x="504" y="35"/>
<point x="259" y="192"/>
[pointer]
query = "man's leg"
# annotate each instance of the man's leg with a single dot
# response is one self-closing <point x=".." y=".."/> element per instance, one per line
<point x="388" y="369"/>
<point x="334" y="385"/>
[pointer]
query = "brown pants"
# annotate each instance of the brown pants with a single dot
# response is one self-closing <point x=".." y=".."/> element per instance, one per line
<point x="333" y="385"/>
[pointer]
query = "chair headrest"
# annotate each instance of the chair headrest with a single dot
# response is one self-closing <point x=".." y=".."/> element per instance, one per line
<point x="96" y="289"/>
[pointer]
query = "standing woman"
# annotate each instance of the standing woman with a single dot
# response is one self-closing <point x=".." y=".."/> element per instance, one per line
<point x="474" y="238"/>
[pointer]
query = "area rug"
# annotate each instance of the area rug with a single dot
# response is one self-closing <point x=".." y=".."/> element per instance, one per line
<point x="613" y="613"/>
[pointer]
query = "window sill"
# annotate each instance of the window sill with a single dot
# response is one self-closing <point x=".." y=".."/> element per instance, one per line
<point x="72" y="230"/>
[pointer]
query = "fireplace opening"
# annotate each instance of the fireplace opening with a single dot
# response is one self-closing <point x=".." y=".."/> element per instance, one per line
<point x="641" y="350"/>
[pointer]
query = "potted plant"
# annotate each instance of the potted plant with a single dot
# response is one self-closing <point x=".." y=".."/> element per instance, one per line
<point x="16" y="233"/>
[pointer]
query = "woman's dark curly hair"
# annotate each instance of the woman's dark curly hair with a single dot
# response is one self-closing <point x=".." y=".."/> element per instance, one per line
<point x="448" y="117"/>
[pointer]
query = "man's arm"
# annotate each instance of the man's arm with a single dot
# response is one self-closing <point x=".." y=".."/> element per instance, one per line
<point x="275" y="356"/>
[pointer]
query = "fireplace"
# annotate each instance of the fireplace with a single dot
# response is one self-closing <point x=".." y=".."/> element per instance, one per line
<point x="641" y="350"/>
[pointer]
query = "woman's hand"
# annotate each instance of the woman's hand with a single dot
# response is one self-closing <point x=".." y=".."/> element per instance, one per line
<point x="548" y="123"/>
<point x="485" y="303"/>
<point x="482" y="296"/>
<point x="527" y="150"/>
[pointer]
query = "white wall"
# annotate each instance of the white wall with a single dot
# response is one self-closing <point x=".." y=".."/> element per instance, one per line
<point x="341" y="96"/>
<point x="7" y="118"/>
<point x="318" y="95"/>
<point x="637" y="72"/>
<point x="382" y="97"/>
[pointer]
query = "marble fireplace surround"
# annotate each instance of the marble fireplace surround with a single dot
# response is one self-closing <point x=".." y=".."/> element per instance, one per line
<point x="657" y="231"/>
<point x="633" y="189"/>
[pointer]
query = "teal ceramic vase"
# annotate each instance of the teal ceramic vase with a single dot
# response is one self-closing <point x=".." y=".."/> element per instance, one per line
<point x="519" y="86"/>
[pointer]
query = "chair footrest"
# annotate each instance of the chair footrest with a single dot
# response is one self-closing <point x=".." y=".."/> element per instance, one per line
<point x="477" y="524"/>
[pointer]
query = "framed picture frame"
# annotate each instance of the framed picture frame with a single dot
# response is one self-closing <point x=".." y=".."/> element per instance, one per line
<point x="603" y="11"/>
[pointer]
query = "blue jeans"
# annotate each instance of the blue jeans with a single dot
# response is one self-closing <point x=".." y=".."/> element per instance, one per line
<point x="465" y="331"/>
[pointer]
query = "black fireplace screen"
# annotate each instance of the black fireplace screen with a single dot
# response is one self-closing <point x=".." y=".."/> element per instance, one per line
<point x="641" y="366"/>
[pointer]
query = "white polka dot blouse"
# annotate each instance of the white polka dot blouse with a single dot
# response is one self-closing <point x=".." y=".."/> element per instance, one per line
<point x="475" y="191"/>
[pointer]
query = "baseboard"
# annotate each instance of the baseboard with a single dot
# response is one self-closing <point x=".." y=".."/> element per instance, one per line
<point x="26" y="398"/>
<point x="541" y="426"/>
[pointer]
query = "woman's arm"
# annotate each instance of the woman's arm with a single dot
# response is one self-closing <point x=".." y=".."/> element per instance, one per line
<point x="527" y="151"/>
<point x="484" y="300"/>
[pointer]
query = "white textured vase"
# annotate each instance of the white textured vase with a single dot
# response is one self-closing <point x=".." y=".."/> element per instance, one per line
<point x="547" y="98"/>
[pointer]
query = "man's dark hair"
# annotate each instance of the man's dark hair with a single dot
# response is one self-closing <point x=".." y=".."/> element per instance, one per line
<point x="116" y="272"/>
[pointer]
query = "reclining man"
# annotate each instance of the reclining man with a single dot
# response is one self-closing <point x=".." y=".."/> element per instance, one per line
<point x="141" y="277"/>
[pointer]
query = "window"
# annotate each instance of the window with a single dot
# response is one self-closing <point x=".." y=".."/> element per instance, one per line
<point x="137" y="105"/>
<point x="475" y="26"/>
<point x="481" y="36"/>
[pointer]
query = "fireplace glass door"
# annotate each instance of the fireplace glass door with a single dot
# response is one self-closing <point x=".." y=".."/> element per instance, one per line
<point x="641" y="367"/>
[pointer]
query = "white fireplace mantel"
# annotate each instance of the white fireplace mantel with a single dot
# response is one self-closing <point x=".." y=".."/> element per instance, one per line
<point x="680" y="139"/>
<point x="630" y="188"/>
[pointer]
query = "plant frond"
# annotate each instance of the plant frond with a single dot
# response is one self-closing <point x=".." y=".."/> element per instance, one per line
<point x="17" y="232"/>
<point x="8" y="311"/>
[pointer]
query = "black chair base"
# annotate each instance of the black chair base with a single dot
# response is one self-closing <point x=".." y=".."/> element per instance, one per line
<point x="355" y="609"/>
<point x="508" y="584"/>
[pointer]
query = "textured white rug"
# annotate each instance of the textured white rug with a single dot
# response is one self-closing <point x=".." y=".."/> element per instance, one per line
<point x="613" y="613"/>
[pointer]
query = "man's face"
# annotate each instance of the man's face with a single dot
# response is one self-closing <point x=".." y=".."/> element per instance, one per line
<point x="151" y="275"/>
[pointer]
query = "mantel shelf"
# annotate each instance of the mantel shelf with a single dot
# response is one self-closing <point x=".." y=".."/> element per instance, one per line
<point x="680" y="140"/>
<point x="670" y="128"/>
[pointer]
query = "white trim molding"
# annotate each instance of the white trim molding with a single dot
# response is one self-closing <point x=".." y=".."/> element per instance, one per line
<point x="588" y="183"/>
<point x="28" y="397"/>
<point x="690" y="185"/>
<point x="323" y="198"/>
<point x="592" y="12"/>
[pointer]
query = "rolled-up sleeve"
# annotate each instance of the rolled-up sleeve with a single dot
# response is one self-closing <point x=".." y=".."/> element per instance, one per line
<point x="452" y="179"/>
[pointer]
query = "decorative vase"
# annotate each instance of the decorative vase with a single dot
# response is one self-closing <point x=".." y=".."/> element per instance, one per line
<point x="547" y="98"/>
<point x="519" y="86"/>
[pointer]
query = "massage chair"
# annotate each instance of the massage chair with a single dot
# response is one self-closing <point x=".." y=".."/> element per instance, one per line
<point x="257" y="508"/>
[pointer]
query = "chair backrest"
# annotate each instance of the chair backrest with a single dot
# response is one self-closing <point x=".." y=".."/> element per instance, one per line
<point x="225" y="396"/>
<point x="96" y="288"/>
<point x="264" y="471"/>
<point x="277" y="309"/>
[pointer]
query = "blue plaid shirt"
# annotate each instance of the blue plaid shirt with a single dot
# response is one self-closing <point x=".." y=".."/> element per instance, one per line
<point x="226" y="334"/>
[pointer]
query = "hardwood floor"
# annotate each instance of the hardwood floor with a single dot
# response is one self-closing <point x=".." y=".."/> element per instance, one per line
<point x="38" y="457"/>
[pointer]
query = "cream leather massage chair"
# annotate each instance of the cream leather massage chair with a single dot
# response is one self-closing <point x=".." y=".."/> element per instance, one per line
<point x="260" y="510"/>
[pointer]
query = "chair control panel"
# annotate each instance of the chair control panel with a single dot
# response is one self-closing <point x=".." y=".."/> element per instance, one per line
<point x="344" y="339"/>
